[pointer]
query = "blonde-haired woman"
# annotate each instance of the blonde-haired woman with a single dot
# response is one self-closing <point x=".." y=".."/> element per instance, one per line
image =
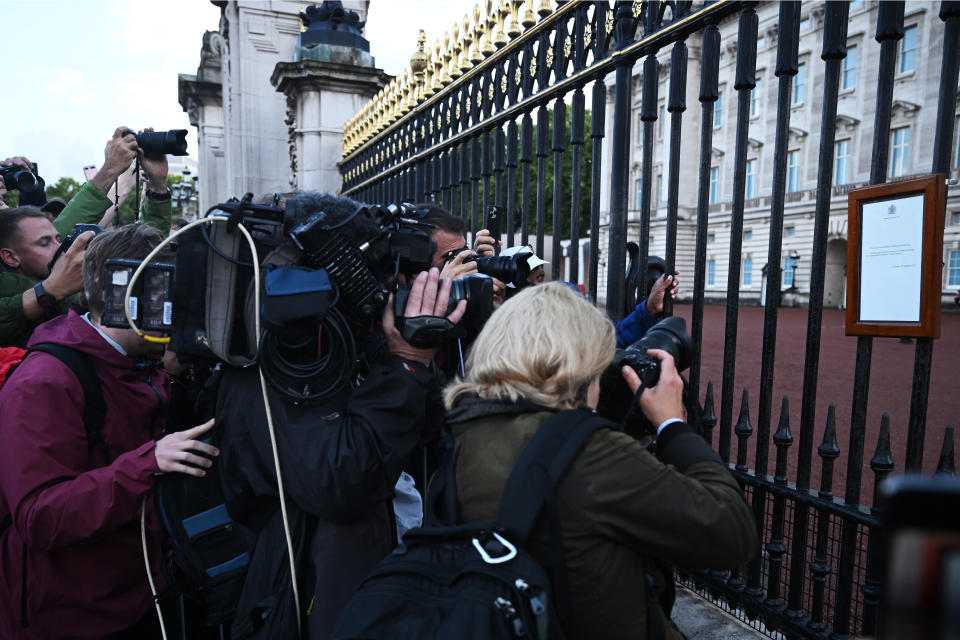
<point x="625" y="515"/>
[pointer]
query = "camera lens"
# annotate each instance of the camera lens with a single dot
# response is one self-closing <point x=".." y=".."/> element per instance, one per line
<point x="508" y="269"/>
<point x="671" y="336"/>
<point x="26" y="181"/>
<point x="173" y="142"/>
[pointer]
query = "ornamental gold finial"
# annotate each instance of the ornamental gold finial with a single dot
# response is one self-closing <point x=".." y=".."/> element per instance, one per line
<point x="503" y="13"/>
<point x="513" y="25"/>
<point x="465" y="62"/>
<point x="448" y="55"/>
<point x="457" y="48"/>
<point x="489" y="27"/>
<point x="478" y="28"/>
<point x="544" y="9"/>
<point x="418" y="61"/>
<point x="528" y="19"/>
<point x="436" y="85"/>
<point x="409" y="92"/>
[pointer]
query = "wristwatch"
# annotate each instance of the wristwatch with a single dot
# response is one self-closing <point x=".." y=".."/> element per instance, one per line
<point x="44" y="299"/>
<point x="158" y="197"/>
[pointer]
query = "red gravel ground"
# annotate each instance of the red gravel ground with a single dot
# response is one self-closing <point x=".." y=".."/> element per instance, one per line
<point x="890" y="384"/>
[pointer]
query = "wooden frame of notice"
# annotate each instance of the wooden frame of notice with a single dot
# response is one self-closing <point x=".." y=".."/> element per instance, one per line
<point x="895" y="258"/>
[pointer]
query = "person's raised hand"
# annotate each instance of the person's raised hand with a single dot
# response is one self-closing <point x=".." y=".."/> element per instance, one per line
<point x="428" y="297"/>
<point x="665" y="284"/>
<point x="176" y="452"/>
<point x="120" y="151"/>
<point x="457" y="268"/>
<point x="18" y="161"/>
<point x="664" y="400"/>
<point x="66" y="274"/>
<point x="485" y="244"/>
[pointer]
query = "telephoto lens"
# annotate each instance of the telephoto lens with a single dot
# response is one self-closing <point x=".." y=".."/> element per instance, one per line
<point x="171" y="143"/>
<point x="670" y="335"/>
<point x="507" y="269"/>
<point x="616" y="400"/>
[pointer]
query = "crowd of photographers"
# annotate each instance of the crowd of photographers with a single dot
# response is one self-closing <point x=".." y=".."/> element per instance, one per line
<point x="357" y="381"/>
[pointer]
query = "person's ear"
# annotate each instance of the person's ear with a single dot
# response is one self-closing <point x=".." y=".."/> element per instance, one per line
<point x="9" y="258"/>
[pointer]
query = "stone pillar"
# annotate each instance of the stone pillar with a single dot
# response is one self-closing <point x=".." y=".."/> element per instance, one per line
<point x="330" y="79"/>
<point x="321" y="97"/>
<point x="201" y="97"/>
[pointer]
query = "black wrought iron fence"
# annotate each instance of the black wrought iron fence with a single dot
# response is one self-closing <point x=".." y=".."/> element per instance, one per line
<point x="483" y="119"/>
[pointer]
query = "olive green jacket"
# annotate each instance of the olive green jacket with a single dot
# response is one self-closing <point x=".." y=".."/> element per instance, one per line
<point x="87" y="207"/>
<point x="620" y="507"/>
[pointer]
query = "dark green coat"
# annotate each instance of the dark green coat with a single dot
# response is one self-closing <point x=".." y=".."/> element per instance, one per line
<point x="87" y="207"/>
<point x="619" y="508"/>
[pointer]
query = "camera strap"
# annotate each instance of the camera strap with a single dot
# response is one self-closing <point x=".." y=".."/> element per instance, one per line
<point x="635" y="404"/>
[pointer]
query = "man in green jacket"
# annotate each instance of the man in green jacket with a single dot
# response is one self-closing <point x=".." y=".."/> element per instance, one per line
<point x="30" y="293"/>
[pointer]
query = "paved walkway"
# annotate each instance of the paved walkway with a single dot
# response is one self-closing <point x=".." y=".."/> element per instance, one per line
<point x="701" y="620"/>
<point x="890" y="384"/>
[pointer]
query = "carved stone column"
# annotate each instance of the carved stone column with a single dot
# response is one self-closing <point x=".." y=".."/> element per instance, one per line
<point x="201" y="97"/>
<point x="330" y="79"/>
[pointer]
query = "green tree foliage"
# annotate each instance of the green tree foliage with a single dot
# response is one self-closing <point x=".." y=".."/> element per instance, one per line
<point x="64" y="188"/>
<point x="566" y="209"/>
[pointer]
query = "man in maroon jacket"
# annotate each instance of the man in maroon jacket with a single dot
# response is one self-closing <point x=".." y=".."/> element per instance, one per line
<point x="71" y="560"/>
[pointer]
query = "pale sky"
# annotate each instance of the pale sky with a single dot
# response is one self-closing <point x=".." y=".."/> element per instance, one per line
<point x="76" y="69"/>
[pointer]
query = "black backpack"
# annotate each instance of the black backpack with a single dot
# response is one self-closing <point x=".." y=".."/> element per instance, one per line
<point x="211" y="551"/>
<point x="477" y="580"/>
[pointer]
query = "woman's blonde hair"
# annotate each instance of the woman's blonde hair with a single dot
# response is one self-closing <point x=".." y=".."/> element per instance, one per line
<point x="545" y="345"/>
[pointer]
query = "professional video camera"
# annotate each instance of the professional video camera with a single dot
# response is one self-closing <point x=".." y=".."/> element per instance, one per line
<point x="15" y="177"/>
<point x="153" y="143"/>
<point x="616" y="400"/>
<point x="333" y="276"/>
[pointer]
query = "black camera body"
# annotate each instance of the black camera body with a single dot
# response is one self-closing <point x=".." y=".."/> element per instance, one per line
<point x="67" y="242"/>
<point x="670" y="335"/>
<point x="431" y="331"/>
<point x="15" y="178"/>
<point x="616" y="400"/>
<point x="155" y="143"/>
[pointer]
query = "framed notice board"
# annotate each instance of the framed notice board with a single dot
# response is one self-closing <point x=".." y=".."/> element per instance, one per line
<point x="894" y="258"/>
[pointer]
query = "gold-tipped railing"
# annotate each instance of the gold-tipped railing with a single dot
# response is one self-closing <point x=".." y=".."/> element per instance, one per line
<point x="436" y="71"/>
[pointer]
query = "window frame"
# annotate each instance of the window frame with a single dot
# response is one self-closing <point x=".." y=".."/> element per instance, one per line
<point x="799" y="80"/>
<point x="714" y="195"/>
<point x="902" y="51"/>
<point x="848" y="70"/>
<point x="899" y="153"/>
<point x="953" y="268"/>
<point x="793" y="171"/>
<point x="750" y="184"/>
<point x="837" y="162"/>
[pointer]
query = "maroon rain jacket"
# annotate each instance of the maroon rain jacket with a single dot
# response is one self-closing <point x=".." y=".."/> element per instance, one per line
<point x="75" y="537"/>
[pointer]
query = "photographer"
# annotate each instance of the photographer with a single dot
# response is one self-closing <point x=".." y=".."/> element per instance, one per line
<point x="71" y="561"/>
<point x="35" y="195"/>
<point x="625" y="515"/>
<point x="30" y="292"/>
<point x="341" y="455"/>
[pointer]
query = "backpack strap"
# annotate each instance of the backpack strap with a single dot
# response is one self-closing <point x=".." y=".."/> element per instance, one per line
<point x="94" y="407"/>
<point x="540" y="467"/>
<point x="532" y="485"/>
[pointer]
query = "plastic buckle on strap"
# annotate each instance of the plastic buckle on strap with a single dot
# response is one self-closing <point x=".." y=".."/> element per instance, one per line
<point x="510" y="555"/>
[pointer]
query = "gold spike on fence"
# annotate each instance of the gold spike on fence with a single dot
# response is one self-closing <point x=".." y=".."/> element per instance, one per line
<point x="492" y="26"/>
